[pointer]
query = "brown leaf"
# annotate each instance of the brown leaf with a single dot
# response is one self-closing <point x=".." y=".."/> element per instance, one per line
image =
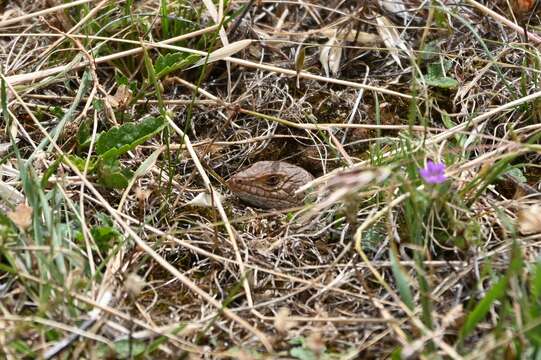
<point x="204" y="200"/>
<point x="134" y="284"/>
<point x="282" y="323"/>
<point x="142" y="196"/>
<point x="522" y="6"/>
<point x="22" y="216"/>
<point x="315" y="342"/>
<point x="330" y="56"/>
<point x="223" y="52"/>
<point x="360" y="37"/>
<point x="391" y="37"/>
<point x="529" y="220"/>
<point x="121" y="99"/>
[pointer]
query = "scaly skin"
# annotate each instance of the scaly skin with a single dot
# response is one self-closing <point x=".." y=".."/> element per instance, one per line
<point x="270" y="184"/>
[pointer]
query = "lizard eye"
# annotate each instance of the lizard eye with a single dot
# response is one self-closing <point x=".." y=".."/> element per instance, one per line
<point x="272" y="180"/>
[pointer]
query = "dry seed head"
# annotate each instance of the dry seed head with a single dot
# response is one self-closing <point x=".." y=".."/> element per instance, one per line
<point x="134" y="284"/>
<point x="529" y="220"/>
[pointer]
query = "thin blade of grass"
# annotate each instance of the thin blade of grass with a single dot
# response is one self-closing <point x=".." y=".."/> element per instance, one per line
<point x="402" y="280"/>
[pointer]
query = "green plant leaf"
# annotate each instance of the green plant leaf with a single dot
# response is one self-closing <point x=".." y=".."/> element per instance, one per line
<point x="436" y="76"/>
<point x="22" y="348"/>
<point x="396" y="354"/>
<point x="402" y="281"/>
<point x="166" y="64"/>
<point x="98" y="104"/>
<point x="49" y="172"/>
<point x="104" y="236"/>
<point x="430" y="51"/>
<point x="122" y="349"/>
<point x="373" y="238"/>
<point x="57" y="111"/>
<point x="52" y="335"/>
<point x="84" y="134"/>
<point x="533" y="309"/>
<point x="80" y="163"/>
<point x="303" y="353"/>
<point x="112" y="175"/>
<point x="440" y="18"/>
<point x="297" y="341"/>
<point x="496" y="292"/>
<point x="534" y="335"/>
<point x="119" y="140"/>
<point x="535" y="286"/>
<point x="446" y="119"/>
<point x="517" y="174"/>
<point x="443" y="82"/>
<point x="7" y="233"/>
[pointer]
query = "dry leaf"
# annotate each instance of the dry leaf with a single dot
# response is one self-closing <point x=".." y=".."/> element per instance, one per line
<point x="529" y="220"/>
<point x="282" y="322"/>
<point x="355" y="179"/>
<point x="330" y="56"/>
<point x="121" y="99"/>
<point x="299" y="63"/>
<point x="391" y="38"/>
<point x="210" y="149"/>
<point x="241" y="354"/>
<point x="211" y="9"/>
<point x="59" y="18"/>
<point x="396" y="7"/>
<point x="359" y="37"/>
<point x="315" y="342"/>
<point x="452" y="316"/>
<point x="393" y="6"/>
<point x="203" y="200"/>
<point x="189" y="329"/>
<point x="9" y="194"/>
<point x="134" y="284"/>
<point x="224" y="52"/>
<point x="522" y="6"/>
<point x="22" y="216"/>
<point x="473" y="137"/>
<point x="299" y="59"/>
<point x="10" y="14"/>
<point x="345" y="183"/>
<point x="142" y="196"/>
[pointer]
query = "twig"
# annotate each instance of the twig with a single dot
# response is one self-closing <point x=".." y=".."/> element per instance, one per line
<point x="43" y="12"/>
<point x="505" y="21"/>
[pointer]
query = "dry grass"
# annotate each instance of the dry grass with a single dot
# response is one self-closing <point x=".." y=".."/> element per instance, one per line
<point x="105" y="253"/>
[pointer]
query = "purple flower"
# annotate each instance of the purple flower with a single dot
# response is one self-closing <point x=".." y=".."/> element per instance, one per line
<point x="433" y="173"/>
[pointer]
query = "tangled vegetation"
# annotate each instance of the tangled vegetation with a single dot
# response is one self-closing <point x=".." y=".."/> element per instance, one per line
<point x="123" y="120"/>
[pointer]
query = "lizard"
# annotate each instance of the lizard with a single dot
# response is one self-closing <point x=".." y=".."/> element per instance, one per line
<point x="270" y="184"/>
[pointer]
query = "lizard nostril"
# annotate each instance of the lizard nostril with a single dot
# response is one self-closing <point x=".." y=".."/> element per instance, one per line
<point x="234" y="181"/>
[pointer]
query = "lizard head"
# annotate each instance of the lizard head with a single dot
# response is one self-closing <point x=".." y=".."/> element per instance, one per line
<point x="270" y="184"/>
